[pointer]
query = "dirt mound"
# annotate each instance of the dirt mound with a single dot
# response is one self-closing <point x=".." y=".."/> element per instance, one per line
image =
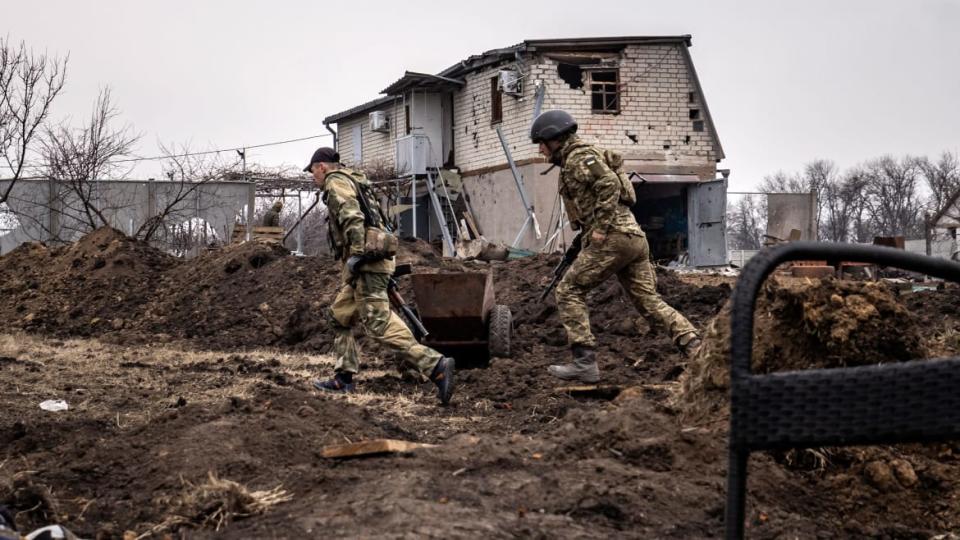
<point x="828" y="324"/>
<point x="86" y="288"/>
<point x="255" y="295"/>
<point x="806" y="325"/>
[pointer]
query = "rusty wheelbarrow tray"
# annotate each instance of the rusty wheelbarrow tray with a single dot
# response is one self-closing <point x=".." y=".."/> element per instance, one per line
<point x="459" y="311"/>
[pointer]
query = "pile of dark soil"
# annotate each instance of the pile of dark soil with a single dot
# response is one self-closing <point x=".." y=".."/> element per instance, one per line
<point x="516" y="456"/>
<point x="826" y="324"/>
<point x="257" y="295"/>
<point x="805" y="325"/>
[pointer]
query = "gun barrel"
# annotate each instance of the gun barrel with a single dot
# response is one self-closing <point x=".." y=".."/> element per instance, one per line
<point x="417" y="325"/>
<point x="408" y="313"/>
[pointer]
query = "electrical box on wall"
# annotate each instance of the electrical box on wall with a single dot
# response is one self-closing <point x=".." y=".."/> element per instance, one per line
<point x="412" y="154"/>
<point x="510" y="82"/>
<point x="379" y="122"/>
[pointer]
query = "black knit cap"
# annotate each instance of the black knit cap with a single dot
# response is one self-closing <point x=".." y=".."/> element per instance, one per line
<point x="323" y="154"/>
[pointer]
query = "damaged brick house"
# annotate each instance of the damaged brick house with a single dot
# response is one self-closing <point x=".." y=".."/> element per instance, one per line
<point x="637" y="95"/>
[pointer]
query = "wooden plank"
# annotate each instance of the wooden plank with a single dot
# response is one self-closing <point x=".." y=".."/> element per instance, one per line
<point x="372" y="447"/>
<point x="812" y="271"/>
<point x="599" y="391"/>
<point x="471" y="224"/>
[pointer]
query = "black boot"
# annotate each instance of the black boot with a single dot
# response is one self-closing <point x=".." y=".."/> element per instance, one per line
<point x="584" y="367"/>
<point x="442" y="376"/>
<point x="341" y="383"/>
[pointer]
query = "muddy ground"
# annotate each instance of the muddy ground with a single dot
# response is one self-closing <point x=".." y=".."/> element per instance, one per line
<point x="176" y="370"/>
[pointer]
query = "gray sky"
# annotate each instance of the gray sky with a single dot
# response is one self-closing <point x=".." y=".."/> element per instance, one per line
<point x="786" y="82"/>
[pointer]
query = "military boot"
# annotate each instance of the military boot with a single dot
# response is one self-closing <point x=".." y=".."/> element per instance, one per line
<point x="583" y="368"/>
<point x="442" y="376"/>
<point x="341" y="383"/>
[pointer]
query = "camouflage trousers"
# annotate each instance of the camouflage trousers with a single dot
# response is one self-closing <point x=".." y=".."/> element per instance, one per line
<point x="364" y="301"/>
<point x="628" y="257"/>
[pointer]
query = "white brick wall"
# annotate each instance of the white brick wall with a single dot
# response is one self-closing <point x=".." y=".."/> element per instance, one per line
<point x="654" y="105"/>
<point x="377" y="146"/>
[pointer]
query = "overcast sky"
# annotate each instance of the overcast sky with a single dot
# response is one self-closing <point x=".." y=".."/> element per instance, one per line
<point x="786" y="82"/>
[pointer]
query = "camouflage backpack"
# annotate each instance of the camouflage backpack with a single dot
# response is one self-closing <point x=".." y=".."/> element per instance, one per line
<point x="614" y="160"/>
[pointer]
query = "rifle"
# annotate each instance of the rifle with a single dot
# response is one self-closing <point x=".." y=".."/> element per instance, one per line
<point x="568" y="257"/>
<point x="419" y="331"/>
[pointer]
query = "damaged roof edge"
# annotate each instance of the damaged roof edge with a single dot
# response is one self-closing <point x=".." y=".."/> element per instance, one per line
<point x="480" y="61"/>
<point x="534" y="44"/>
<point x="703" y="97"/>
<point x="334" y="118"/>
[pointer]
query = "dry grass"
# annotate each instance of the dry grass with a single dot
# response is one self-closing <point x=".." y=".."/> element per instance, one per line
<point x="89" y="370"/>
<point x="214" y="503"/>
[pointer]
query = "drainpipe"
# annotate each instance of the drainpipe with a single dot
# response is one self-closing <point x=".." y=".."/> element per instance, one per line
<point x="334" y="133"/>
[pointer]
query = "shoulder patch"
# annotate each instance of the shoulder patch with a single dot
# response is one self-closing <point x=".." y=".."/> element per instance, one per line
<point x="596" y="168"/>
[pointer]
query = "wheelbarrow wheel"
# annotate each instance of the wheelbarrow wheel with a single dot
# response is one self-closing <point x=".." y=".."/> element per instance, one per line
<point x="501" y="323"/>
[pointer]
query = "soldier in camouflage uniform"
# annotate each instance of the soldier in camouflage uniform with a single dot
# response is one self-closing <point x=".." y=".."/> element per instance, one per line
<point x="366" y="275"/>
<point x="598" y="197"/>
<point x="272" y="217"/>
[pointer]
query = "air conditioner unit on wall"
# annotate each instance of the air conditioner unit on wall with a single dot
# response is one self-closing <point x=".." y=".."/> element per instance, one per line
<point x="379" y="122"/>
<point x="510" y="82"/>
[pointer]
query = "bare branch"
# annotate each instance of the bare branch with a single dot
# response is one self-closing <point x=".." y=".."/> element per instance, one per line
<point x="29" y="83"/>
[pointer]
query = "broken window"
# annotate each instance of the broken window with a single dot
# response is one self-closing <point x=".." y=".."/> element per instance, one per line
<point x="571" y="74"/>
<point x="496" y="102"/>
<point x="605" y="91"/>
<point x="698" y="125"/>
<point x="694" y="114"/>
<point x="406" y="117"/>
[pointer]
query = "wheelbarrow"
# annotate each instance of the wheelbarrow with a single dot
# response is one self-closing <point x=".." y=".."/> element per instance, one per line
<point x="461" y="315"/>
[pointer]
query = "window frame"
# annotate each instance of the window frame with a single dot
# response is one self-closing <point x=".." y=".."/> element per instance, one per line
<point x="608" y="88"/>
<point x="496" y="101"/>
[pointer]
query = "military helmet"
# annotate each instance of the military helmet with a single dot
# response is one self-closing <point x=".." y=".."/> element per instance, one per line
<point x="552" y="125"/>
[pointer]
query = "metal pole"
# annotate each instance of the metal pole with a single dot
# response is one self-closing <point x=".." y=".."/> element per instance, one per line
<point x="299" y="224"/>
<point x="413" y="197"/>
<point x="538" y="99"/>
<point x="531" y="216"/>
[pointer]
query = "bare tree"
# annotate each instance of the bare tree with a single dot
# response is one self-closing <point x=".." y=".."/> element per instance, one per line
<point x="844" y="208"/>
<point x="745" y="223"/>
<point x="29" y="83"/>
<point x="188" y="172"/>
<point x="893" y="196"/>
<point x="942" y="178"/>
<point x="78" y="157"/>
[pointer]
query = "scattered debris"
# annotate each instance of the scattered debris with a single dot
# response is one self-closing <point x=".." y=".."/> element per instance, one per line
<point x="54" y="405"/>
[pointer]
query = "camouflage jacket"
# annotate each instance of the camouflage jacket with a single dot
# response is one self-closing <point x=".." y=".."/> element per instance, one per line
<point x="345" y="219"/>
<point x="591" y="190"/>
<point x="271" y="218"/>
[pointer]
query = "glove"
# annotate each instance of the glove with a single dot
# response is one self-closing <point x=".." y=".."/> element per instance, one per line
<point x="355" y="261"/>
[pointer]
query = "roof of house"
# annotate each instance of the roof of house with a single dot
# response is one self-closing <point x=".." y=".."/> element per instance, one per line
<point x="372" y="104"/>
<point x="493" y="56"/>
<point x="453" y="75"/>
<point x="412" y="79"/>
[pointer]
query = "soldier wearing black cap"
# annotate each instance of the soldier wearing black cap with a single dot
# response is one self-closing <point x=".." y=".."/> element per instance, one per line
<point x="360" y="236"/>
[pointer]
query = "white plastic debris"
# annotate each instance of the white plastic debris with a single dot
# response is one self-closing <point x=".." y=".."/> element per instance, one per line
<point x="54" y="405"/>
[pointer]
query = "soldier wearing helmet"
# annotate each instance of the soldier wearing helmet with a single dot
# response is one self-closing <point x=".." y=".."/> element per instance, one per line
<point x="598" y="197"/>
